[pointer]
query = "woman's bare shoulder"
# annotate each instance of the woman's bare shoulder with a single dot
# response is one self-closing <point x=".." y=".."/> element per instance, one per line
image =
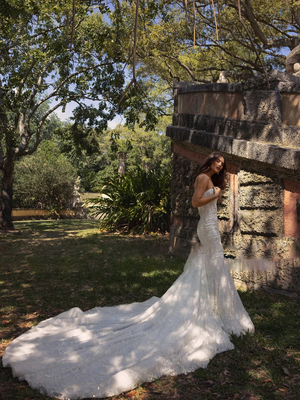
<point x="202" y="178"/>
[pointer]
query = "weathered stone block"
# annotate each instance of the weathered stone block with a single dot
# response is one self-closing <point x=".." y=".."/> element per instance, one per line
<point x="218" y="104"/>
<point x="250" y="178"/>
<point x="288" y="275"/>
<point x="224" y="206"/>
<point x="290" y="135"/>
<point x="182" y="186"/>
<point x="267" y="223"/>
<point x="253" y="280"/>
<point x="255" y="246"/>
<point x="260" y="197"/>
<point x="262" y="105"/>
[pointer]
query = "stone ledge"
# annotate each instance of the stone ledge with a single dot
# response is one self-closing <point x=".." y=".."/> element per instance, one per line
<point x="284" y="157"/>
<point x="188" y="87"/>
<point x="261" y="131"/>
<point x="277" y="79"/>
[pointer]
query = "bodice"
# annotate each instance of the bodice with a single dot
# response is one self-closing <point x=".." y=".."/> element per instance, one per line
<point x="208" y="226"/>
<point x="209" y="209"/>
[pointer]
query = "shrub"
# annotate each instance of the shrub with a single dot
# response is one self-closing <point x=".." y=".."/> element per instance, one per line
<point x="44" y="180"/>
<point x="138" y="202"/>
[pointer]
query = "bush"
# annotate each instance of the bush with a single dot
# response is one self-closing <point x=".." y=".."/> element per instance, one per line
<point x="44" y="180"/>
<point x="138" y="202"/>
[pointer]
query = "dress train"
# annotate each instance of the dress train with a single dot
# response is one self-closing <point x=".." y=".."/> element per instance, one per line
<point x="105" y="351"/>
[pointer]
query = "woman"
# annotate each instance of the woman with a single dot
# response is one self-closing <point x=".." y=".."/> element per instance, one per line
<point x="106" y="351"/>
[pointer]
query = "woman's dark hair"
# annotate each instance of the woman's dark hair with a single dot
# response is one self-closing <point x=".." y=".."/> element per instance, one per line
<point x="219" y="180"/>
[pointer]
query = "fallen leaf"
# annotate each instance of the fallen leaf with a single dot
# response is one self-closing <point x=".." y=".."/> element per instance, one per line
<point x="283" y="390"/>
<point x="286" y="371"/>
<point x="131" y="394"/>
<point x="267" y="380"/>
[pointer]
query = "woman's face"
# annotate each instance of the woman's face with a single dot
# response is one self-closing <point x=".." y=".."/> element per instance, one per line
<point x="217" y="165"/>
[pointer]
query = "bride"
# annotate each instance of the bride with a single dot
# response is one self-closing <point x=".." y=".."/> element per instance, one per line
<point x="105" y="351"/>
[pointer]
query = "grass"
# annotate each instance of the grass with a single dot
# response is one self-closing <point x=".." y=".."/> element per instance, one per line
<point x="51" y="266"/>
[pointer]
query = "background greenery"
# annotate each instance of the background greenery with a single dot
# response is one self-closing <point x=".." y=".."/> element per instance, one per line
<point x="136" y="202"/>
<point x="44" y="180"/>
<point x="146" y="149"/>
<point x="52" y="55"/>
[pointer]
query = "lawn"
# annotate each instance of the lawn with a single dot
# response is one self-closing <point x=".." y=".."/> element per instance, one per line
<point x="50" y="266"/>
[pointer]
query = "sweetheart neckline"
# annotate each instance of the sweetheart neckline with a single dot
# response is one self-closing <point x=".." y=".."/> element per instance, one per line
<point x="208" y="190"/>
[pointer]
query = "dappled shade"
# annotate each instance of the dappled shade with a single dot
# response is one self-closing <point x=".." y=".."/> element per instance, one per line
<point x="108" y="350"/>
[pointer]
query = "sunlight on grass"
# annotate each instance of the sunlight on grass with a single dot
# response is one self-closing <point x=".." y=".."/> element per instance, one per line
<point x="158" y="273"/>
<point x="52" y="266"/>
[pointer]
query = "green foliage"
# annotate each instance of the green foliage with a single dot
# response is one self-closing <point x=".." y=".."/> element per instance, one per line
<point x="168" y="51"/>
<point x="44" y="180"/>
<point x="138" y="202"/>
<point x="80" y="145"/>
<point x="149" y="150"/>
<point x="96" y="158"/>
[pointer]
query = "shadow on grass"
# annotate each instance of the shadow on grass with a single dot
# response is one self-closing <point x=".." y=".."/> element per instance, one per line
<point x="52" y="266"/>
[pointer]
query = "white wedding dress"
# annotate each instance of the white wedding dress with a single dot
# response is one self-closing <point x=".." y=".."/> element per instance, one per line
<point x="105" y="351"/>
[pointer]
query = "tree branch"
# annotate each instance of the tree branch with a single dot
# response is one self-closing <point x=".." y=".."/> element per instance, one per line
<point x="182" y="65"/>
<point x="61" y="84"/>
<point x="250" y="17"/>
<point x="21" y="151"/>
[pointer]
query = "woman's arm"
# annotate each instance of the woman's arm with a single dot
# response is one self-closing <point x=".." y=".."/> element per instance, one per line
<point x="201" y="185"/>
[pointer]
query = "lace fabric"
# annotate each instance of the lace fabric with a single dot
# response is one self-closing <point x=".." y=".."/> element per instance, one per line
<point x="105" y="351"/>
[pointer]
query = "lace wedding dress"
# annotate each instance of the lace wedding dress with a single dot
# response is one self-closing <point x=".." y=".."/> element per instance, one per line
<point x="105" y="351"/>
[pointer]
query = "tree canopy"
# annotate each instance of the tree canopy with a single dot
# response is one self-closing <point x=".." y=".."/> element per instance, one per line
<point x="195" y="40"/>
<point x="83" y="51"/>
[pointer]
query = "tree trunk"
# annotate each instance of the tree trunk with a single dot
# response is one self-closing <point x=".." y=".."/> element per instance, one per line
<point x="122" y="162"/>
<point x="6" y="196"/>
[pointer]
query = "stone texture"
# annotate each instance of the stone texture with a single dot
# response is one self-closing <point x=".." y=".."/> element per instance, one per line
<point x="266" y="247"/>
<point x="283" y="157"/>
<point x="218" y="104"/>
<point x="189" y="87"/>
<point x="290" y="135"/>
<point x="263" y="105"/>
<point x="261" y="222"/>
<point x="287" y="275"/>
<point x="260" y="131"/>
<point x="263" y="150"/>
<point x="183" y="186"/>
<point x="261" y="197"/>
<point x="251" y="178"/>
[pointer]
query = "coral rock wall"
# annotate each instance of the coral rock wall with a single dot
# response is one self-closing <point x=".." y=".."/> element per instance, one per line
<point x="257" y="128"/>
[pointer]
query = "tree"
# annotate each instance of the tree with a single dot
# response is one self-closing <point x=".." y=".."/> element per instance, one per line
<point x="48" y="52"/>
<point x="196" y="40"/>
<point x="148" y="150"/>
<point x="44" y="180"/>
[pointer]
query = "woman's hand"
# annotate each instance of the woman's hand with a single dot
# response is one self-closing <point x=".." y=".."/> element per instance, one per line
<point x="218" y="191"/>
<point x="202" y="184"/>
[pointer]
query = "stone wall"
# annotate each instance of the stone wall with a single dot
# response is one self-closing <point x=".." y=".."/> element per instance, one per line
<point x="257" y="128"/>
